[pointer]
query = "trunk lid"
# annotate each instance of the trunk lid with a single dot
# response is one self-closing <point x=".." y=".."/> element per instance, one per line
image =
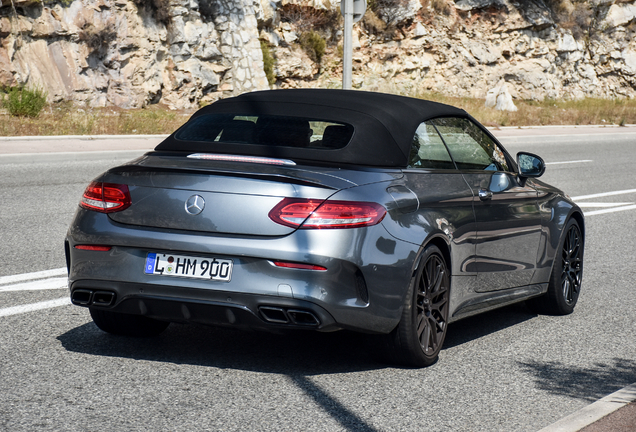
<point x="224" y="197"/>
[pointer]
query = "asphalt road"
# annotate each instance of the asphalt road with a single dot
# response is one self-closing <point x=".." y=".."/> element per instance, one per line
<point x="508" y="370"/>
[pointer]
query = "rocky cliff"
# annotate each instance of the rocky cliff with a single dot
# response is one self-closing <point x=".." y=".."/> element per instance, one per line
<point x="132" y="53"/>
<point x="184" y="53"/>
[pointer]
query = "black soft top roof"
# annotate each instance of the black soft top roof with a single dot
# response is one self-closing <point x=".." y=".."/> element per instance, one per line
<point x="384" y="124"/>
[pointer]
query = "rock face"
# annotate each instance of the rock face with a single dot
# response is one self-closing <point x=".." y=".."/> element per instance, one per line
<point x="481" y="42"/>
<point x="131" y="53"/>
<point x="116" y="52"/>
<point x="499" y="98"/>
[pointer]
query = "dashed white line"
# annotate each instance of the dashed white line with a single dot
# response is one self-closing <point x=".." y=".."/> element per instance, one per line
<point x="602" y="204"/>
<point x="604" y="194"/>
<point x="31" y="276"/>
<point x="613" y="207"/>
<point x="16" y="310"/>
<point x="41" y="280"/>
<point x="569" y="162"/>
<point x="610" y="210"/>
<point x="38" y="285"/>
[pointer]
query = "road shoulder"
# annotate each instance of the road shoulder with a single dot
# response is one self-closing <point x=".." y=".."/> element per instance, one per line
<point x="609" y="405"/>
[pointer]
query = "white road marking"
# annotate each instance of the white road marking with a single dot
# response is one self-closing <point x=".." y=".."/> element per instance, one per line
<point x="603" y="204"/>
<point x="42" y="280"/>
<point x="568" y="162"/>
<point x="46" y="284"/>
<point x="604" y="194"/>
<point x="15" y="310"/>
<point x="614" y="207"/>
<point x="610" y="210"/>
<point x="31" y="276"/>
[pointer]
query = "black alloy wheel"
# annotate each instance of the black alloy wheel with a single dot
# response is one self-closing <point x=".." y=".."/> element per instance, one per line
<point x="431" y="305"/>
<point x="418" y="338"/>
<point x="572" y="258"/>
<point x="567" y="275"/>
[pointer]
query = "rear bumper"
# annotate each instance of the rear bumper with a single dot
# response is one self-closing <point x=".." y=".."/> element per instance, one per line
<point x="362" y="288"/>
<point x="217" y="308"/>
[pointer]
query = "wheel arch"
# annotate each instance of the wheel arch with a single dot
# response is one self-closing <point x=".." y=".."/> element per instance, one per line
<point x="555" y="301"/>
<point x="578" y="216"/>
<point x="441" y="242"/>
<point x="403" y="344"/>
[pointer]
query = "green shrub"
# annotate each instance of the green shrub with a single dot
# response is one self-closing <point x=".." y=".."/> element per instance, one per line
<point x="24" y="102"/>
<point x="268" y="63"/>
<point x="314" y="45"/>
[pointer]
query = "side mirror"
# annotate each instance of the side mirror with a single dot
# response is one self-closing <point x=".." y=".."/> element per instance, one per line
<point x="530" y="165"/>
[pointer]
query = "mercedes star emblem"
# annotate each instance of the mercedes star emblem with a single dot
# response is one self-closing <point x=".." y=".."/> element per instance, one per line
<point x="195" y="204"/>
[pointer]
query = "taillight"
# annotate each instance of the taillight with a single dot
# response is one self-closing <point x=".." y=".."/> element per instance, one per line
<point x="294" y="265"/>
<point x="106" y="197"/>
<point x="319" y="214"/>
<point x="98" y="248"/>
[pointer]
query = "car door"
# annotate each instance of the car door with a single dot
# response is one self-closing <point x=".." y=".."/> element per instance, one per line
<point x="506" y="208"/>
<point x="442" y="202"/>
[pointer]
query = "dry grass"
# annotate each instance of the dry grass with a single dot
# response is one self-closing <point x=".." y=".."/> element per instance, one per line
<point x="549" y="112"/>
<point x="64" y="119"/>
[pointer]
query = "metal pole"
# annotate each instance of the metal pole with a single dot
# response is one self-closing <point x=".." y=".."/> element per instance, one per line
<point x="348" y="45"/>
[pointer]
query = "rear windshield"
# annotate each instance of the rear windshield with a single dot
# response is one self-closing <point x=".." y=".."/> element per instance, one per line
<point x="267" y="130"/>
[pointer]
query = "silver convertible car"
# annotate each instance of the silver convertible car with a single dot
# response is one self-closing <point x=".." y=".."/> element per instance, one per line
<point x="324" y="210"/>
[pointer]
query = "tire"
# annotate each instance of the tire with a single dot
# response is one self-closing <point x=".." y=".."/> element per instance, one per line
<point x="567" y="273"/>
<point x="126" y="324"/>
<point x="418" y="338"/>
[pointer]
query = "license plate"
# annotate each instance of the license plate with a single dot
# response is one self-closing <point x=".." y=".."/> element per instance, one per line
<point x="186" y="266"/>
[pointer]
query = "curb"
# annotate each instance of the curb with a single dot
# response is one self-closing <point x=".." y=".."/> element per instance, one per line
<point x="553" y="139"/>
<point x="163" y="136"/>
<point x="81" y="137"/>
<point x="595" y="411"/>
<point x="561" y="126"/>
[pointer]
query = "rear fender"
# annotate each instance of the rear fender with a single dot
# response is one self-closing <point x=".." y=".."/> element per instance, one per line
<point x="556" y="210"/>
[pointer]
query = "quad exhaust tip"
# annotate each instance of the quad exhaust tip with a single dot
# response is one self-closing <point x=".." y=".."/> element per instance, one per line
<point x="279" y="315"/>
<point x="84" y="297"/>
<point x="103" y="298"/>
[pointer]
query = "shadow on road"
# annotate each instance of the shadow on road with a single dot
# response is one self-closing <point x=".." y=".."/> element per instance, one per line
<point x="348" y="419"/>
<point x="305" y="353"/>
<point x="586" y="383"/>
<point x="487" y="323"/>
<point x="298" y="355"/>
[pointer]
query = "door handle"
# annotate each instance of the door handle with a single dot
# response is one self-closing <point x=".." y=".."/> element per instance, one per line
<point x="485" y="195"/>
